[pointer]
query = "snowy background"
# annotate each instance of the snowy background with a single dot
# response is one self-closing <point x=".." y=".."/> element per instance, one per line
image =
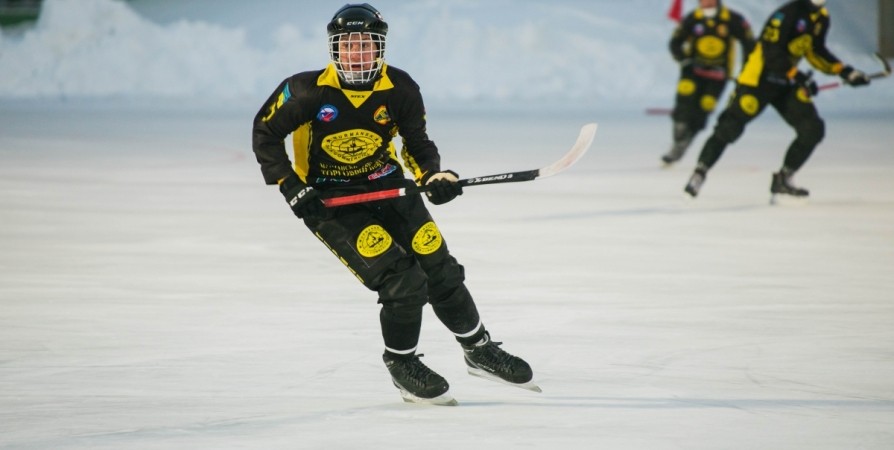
<point x="596" y="53"/>
<point x="154" y="294"/>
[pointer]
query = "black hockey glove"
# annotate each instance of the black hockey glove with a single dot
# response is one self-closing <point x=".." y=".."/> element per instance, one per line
<point x="443" y="186"/>
<point x="303" y="199"/>
<point x="805" y="80"/>
<point x="853" y="76"/>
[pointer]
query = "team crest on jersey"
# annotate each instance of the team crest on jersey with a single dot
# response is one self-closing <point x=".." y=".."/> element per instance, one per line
<point x="381" y="115"/>
<point x="327" y="113"/>
<point x="427" y="240"/>
<point x="722" y="31"/>
<point x="352" y="145"/>
<point x="373" y="241"/>
<point x="699" y="29"/>
<point x="801" y="26"/>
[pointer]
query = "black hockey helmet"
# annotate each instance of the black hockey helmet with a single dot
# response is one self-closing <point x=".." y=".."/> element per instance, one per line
<point x="357" y="18"/>
<point x="361" y="29"/>
<point x="814" y="4"/>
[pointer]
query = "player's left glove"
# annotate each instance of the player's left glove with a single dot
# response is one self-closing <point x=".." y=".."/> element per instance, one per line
<point x="853" y="76"/>
<point x="805" y="80"/>
<point x="443" y="186"/>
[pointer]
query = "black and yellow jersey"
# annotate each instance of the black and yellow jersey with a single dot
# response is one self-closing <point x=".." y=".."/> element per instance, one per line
<point x="792" y="32"/>
<point x="341" y="135"/>
<point x="708" y="42"/>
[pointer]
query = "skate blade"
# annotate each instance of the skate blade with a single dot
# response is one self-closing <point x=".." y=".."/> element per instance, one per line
<point x="489" y="376"/>
<point x="444" y="399"/>
<point x="788" y="200"/>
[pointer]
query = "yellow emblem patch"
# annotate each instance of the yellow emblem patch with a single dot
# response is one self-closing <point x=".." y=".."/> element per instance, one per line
<point x="749" y="104"/>
<point x="708" y="103"/>
<point x="381" y="116"/>
<point x="711" y="46"/>
<point x="686" y="87"/>
<point x="427" y="240"/>
<point x="352" y="145"/>
<point x="373" y="241"/>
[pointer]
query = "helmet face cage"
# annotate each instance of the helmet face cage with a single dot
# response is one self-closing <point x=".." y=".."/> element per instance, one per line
<point x="358" y="56"/>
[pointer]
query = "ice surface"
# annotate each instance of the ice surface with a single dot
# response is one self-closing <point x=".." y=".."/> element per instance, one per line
<point x="154" y="294"/>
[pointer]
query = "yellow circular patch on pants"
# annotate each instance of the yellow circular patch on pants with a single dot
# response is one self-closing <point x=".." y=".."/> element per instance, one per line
<point x="749" y="104"/>
<point x="373" y="241"/>
<point x="686" y="87"/>
<point x="709" y="102"/>
<point x="428" y="239"/>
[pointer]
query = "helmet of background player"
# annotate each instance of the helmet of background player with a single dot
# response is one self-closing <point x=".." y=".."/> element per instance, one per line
<point x="357" y="43"/>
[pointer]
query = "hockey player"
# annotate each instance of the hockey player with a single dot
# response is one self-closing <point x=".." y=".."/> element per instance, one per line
<point x="796" y="30"/>
<point x="704" y="46"/>
<point x="342" y="120"/>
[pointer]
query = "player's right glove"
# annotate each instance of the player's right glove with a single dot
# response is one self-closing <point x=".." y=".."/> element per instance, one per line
<point x="443" y="186"/>
<point x="853" y="76"/>
<point x="805" y="80"/>
<point x="303" y="199"/>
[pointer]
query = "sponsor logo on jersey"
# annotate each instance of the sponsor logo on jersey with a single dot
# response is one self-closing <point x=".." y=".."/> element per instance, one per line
<point x="327" y="113"/>
<point x="389" y="168"/>
<point x="427" y="240"/>
<point x="381" y="115"/>
<point x="373" y="241"/>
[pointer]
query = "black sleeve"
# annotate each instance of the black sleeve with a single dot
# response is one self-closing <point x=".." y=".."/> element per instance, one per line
<point x="419" y="153"/>
<point x="744" y="34"/>
<point x="820" y="56"/>
<point x="280" y="115"/>
<point x="679" y="38"/>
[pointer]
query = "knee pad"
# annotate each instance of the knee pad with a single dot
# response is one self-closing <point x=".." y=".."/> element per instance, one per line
<point x="403" y="280"/>
<point x="708" y="103"/>
<point x="729" y="129"/>
<point x="444" y="278"/>
<point x="686" y="87"/>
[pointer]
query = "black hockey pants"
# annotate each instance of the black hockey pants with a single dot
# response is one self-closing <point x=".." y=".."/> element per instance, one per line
<point x="746" y="103"/>
<point x="395" y="249"/>
<point x="695" y="101"/>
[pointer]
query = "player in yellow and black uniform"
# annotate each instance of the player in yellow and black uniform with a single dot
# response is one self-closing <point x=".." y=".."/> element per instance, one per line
<point x="796" y="30"/>
<point x="704" y="46"/>
<point x="343" y="120"/>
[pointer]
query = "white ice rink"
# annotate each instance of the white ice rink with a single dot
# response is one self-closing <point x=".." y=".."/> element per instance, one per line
<point x="155" y="294"/>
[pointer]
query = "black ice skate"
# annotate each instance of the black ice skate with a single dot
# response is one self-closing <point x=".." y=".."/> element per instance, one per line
<point x="416" y="382"/>
<point x="781" y="187"/>
<point x="682" y="139"/>
<point x="487" y="360"/>
<point x="696" y="181"/>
